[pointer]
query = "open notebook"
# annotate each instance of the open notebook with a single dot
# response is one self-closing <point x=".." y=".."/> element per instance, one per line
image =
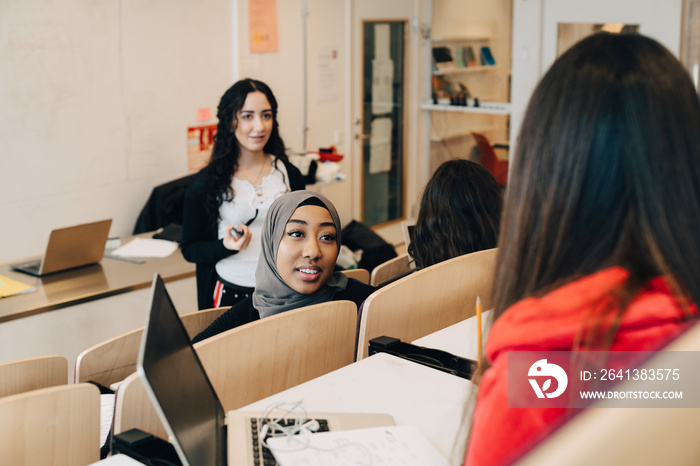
<point x="188" y="406"/>
<point x="69" y="248"/>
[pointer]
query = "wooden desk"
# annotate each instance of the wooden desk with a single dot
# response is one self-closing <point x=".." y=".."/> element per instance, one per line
<point x="458" y="339"/>
<point x="73" y="310"/>
<point x="416" y="395"/>
<point x="97" y="281"/>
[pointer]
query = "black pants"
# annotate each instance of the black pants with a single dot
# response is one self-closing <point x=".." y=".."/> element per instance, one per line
<point x="228" y="294"/>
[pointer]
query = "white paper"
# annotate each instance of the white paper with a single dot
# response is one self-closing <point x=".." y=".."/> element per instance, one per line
<point x="146" y="247"/>
<point x="120" y="459"/>
<point x="327" y="88"/>
<point x="380" y="146"/>
<point x="106" y="415"/>
<point x="382" y="72"/>
<point x="376" y="446"/>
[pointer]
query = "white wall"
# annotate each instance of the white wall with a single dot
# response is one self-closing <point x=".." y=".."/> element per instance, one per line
<point x="284" y="70"/>
<point x="96" y="98"/>
<point x="535" y="36"/>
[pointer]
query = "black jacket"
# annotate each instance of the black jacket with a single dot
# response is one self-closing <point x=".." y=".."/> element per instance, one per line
<point x="200" y="242"/>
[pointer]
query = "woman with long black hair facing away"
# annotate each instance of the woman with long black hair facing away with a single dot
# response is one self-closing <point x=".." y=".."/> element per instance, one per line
<point x="460" y="213"/>
<point x="227" y="201"/>
<point x="599" y="246"/>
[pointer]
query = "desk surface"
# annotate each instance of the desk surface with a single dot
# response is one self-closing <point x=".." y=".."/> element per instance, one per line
<point x="107" y="278"/>
<point x="460" y="338"/>
<point x="415" y="395"/>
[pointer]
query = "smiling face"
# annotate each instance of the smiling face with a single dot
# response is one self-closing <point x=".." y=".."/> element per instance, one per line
<point x="253" y="123"/>
<point x="308" y="249"/>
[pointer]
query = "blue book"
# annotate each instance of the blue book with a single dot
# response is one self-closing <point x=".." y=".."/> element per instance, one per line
<point x="486" y="57"/>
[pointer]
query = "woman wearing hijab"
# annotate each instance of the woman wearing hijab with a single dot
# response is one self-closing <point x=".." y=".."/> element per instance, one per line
<point x="300" y="244"/>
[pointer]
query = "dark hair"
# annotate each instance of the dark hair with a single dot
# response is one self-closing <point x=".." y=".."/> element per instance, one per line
<point x="460" y="212"/>
<point x="224" y="158"/>
<point x="606" y="172"/>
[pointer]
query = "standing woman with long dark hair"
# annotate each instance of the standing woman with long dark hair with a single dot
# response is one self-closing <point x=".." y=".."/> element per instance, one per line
<point x="227" y="201"/>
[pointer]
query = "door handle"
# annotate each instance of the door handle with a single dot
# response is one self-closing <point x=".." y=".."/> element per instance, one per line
<point x="362" y="136"/>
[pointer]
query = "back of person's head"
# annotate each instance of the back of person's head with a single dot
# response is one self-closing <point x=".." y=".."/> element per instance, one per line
<point x="459" y="213"/>
<point x="606" y="172"/>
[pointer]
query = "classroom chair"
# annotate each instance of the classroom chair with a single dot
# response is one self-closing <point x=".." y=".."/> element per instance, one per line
<point x="279" y="352"/>
<point x="59" y="426"/>
<point x="391" y="269"/>
<point x="133" y="408"/>
<point x="489" y="159"/>
<point x="428" y="300"/>
<point x="256" y="360"/>
<point x="112" y="360"/>
<point x="28" y="374"/>
<point x="358" y="274"/>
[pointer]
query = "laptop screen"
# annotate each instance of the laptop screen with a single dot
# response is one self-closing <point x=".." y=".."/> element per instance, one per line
<point x="407" y="227"/>
<point x="178" y="385"/>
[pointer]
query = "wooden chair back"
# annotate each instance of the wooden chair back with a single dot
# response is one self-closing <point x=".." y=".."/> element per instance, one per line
<point x="28" y="374"/>
<point x="358" y="274"/>
<point x="630" y="435"/>
<point x="133" y="408"/>
<point x="256" y="360"/>
<point x="390" y="269"/>
<point x="57" y="426"/>
<point x="113" y="360"/>
<point x="428" y="300"/>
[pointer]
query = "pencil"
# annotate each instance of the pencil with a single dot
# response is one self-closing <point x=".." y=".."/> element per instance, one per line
<point x="478" y="327"/>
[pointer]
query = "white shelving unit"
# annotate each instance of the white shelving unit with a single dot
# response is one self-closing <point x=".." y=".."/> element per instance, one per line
<point x="484" y="108"/>
<point x="457" y="25"/>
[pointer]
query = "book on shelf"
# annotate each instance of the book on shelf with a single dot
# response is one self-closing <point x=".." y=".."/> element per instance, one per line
<point x="442" y="54"/>
<point x="487" y="57"/>
<point x="471" y="57"/>
<point x="10" y="287"/>
<point x="459" y="57"/>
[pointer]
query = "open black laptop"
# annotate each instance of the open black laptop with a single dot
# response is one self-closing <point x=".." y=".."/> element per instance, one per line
<point x="69" y="248"/>
<point x="407" y="227"/>
<point x="187" y="404"/>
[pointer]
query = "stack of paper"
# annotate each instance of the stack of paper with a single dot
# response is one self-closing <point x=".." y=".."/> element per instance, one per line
<point x="145" y="247"/>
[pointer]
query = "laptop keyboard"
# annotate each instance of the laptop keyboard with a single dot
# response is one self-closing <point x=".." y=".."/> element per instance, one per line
<point x="261" y="454"/>
<point x="31" y="267"/>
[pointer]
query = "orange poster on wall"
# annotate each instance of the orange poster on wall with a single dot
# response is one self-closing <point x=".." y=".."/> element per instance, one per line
<point x="262" y="18"/>
<point x="200" y="141"/>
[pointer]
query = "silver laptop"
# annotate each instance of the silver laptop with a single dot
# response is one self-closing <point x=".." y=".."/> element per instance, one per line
<point x="69" y="248"/>
<point x="187" y="404"/>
